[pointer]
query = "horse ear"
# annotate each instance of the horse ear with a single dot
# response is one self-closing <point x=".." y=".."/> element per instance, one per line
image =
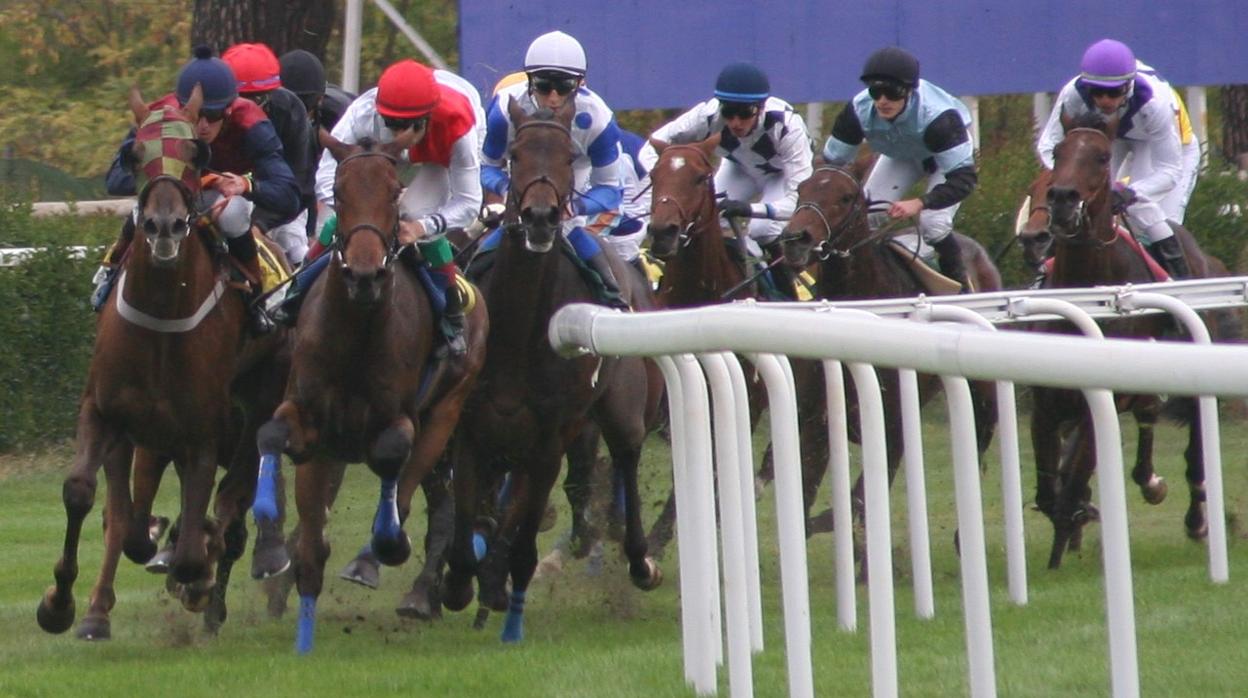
<point x="393" y="149"/>
<point x="336" y="147"/>
<point x="138" y="106"/>
<point x="565" y="112"/>
<point x="1111" y="126"/>
<point x="861" y="166"/>
<point x="1067" y="122"/>
<point x="658" y="145"/>
<point x="516" y="114"/>
<point x="196" y="100"/>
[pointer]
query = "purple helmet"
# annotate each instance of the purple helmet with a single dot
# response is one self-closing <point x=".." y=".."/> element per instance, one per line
<point x="1107" y="63"/>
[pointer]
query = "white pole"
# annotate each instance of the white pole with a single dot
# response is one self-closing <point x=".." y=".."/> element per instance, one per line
<point x="842" y="508"/>
<point x="1041" y="106"/>
<point x="351" y="46"/>
<point x="916" y="493"/>
<point x="814" y="123"/>
<point x="972" y="103"/>
<point x="1197" y="100"/>
<point x="745" y="461"/>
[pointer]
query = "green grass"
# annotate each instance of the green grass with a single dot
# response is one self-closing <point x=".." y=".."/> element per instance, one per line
<point x="597" y="636"/>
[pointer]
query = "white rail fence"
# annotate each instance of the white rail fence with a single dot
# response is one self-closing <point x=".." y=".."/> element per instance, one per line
<point x="696" y="349"/>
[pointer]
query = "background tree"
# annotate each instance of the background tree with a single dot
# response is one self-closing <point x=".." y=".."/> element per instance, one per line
<point x="1235" y="125"/>
<point x="282" y="24"/>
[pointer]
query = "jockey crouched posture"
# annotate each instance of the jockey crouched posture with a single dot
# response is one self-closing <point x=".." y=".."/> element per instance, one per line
<point x="919" y="130"/>
<point x="765" y="151"/>
<point x="255" y="185"/>
<point x="555" y="67"/>
<point x="434" y="115"/>
<point x="1110" y="84"/>
<point x="260" y="80"/>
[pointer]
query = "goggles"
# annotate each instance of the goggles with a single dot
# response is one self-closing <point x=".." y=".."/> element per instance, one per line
<point x="1114" y="92"/>
<point x="400" y="125"/>
<point x="738" y="110"/>
<point x="545" y="85"/>
<point x="892" y="91"/>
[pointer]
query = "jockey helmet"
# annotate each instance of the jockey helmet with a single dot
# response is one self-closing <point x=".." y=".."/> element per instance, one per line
<point x="214" y="77"/>
<point x="892" y="63"/>
<point x="555" y="52"/>
<point x="1107" y="63"/>
<point x="255" y="67"/>
<point x="407" y="90"/>
<point x="302" y="73"/>
<point x="742" y="82"/>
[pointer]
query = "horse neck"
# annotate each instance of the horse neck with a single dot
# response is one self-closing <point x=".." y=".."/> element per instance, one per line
<point x="521" y="297"/>
<point x="703" y="271"/>
<point x="1087" y="262"/>
<point x="170" y="292"/>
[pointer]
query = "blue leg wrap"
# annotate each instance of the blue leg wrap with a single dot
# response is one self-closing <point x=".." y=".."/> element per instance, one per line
<point x="386" y="522"/>
<point x="479" y="546"/>
<point x="307" y="624"/>
<point x="491" y="240"/>
<point x="265" y="506"/>
<point x="513" y="626"/>
<point x="586" y="245"/>
<point x="304" y="279"/>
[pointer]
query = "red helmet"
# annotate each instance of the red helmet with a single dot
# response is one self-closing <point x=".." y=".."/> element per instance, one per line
<point x="255" y="67"/>
<point x="407" y="90"/>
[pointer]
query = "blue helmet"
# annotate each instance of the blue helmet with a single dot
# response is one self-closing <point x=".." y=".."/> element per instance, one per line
<point x="742" y="82"/>
<point x="214" y="77"/>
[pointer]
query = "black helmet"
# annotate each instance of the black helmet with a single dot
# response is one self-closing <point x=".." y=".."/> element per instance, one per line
<point x="302" y="73"/>
<point x="892" y="63"/>
<point x="742" y="82"/>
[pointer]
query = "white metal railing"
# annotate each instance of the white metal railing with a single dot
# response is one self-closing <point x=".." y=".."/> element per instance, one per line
<point x="838" y="335"/>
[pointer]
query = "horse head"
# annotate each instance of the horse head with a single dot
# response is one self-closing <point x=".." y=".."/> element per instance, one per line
<point x="1032" y="226"/>
<point x="830" y="205"/>
<point x="1079" y="190"/>
<point x="541" y="158"/>
<point x="683" y="194"/>
<point x="366" y="198"/>
<point x="166" y="158"/>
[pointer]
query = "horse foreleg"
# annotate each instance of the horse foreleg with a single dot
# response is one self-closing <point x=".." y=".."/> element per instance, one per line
<point x="148" y="469"/>
<point x="96" y="444"/>
<point x="1046" y="445"/>
<point x="233" y="496"/>
<point x="1152" y="486"/>
<point x="95" y="624"/>
<point x="461" y="558"/>
<point x="423" y="600"/>
<point x="1194" y="521"/>
<point x="1073" y="508"/>
<point x="311" y="497"/>
<point x="198" y="538"/>
<point x="532" y="493"/>
<point x="390" y="452"/>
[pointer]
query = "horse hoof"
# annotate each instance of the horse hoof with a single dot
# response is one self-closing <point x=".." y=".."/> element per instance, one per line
<point x="549" y="518"/>
<point x="494" y="600"/>
<point x="269" y="561"/>
<point x="1155" y="490"/>
<point x="478" y="623"/>
<point x="51" y="619"/>
<point x="417" y="604"/>
<point x="651" y="577"/>
<point x="195" y="598"/>
<point x="363" y="571"/>
<point x="1196" y="524"/>
<point x="277" y="589"/>
<point x="159" y="563"/>
<point x="94" y="628"/>
<point x="456" y="592"/>
<point x="392" y="552"/>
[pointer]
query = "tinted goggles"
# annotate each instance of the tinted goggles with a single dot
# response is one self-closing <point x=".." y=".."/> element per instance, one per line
<point x="738" y="110"/>
<point x="400" y="125"/>
<point x="212" y="116"/>
<point x="546" y="85"/>
<point x="1114" y="92"/>
<point x="893" y="92"/>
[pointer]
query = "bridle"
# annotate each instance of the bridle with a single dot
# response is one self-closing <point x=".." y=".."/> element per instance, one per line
<point x="516" y="195"/>
<point x="389" y="242"/>
<point x="683" y="237"/>
<point x="1078" y="235"/>
<point x="825" y="249"/>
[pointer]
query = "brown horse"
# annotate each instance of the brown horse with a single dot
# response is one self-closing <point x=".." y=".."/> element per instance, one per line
<point x="170" y="356"/>
<point x="1089" y="251"/>
<point x="532" y="404"/>
<point x="364" y="384"/>
<point x="830" y="223"/>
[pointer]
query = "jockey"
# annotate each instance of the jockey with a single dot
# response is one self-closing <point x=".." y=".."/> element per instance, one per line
<point x="246" y="154"/>
<point x="765" y="152"/>
<point x="1175" y="203"/>
<point x="625" y="230"/>
<point x="1110" y="84"/>
<point x="920" y="131"/>
<point x="555" y="68"/>
<point x="259" y="80"/>
<point x="303" y="74"/>
<point x="435" y="114"/>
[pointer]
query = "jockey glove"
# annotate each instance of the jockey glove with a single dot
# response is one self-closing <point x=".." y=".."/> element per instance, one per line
<point x="731" y="208"/>
<point x="235" y="217"/>
<point x="1121" y="197"/>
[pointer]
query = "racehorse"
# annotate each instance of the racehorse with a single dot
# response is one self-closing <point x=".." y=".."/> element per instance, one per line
<point x="532" y="404"/>
<point x="364" y="383"/>
<point x="170" y="355"/>
<point x="830" y="223"/>
<point x="1089" y="250"/>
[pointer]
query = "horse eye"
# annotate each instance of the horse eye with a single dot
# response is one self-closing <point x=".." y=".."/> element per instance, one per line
<point x="179" y="226"/>
<point x="1103" y="159"/>
<point x="847" y="199"/>
<point x="149" y="226"/>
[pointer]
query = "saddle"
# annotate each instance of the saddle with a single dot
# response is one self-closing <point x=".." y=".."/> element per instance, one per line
<point x="921" y="261"/>
<point x="483" y="260"/>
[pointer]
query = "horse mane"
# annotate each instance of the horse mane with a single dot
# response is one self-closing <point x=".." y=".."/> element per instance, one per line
<point x="544" y="114"/>
<point x="1093" y="120"/>
<point x="368" y="143"/>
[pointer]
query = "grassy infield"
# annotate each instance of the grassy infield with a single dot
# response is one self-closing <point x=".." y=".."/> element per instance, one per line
<point x="596" y="636"/>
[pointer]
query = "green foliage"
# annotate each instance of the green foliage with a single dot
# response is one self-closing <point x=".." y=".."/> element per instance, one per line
<point x="47" y="326"/>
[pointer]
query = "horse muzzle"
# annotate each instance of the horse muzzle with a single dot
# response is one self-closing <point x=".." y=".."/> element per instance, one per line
<point x="664" y="239"/>
<point x="364" y="286"/>
<point x="797" y="247"/>
<point x="165" y="248"/>
<point x="1066" y="207"/>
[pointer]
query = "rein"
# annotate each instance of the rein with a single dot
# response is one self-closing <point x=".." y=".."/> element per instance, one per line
<point x="683" y="238"/>
<point x="516" y="195"/>
<point x="825" y="250"/>
<point x="389" y="242"/>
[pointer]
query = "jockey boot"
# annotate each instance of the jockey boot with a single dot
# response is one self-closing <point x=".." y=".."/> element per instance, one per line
<point x="452" y="325"/>
<point x="243" y="249"/>
<point x="610" y="286"/>
<point x="949" y="257"/>
<point x="782" y="275"/>
<point x="106" y="275"/>
<point x="437" y="253"/>
<point x="287" y="312"/>
<point x="1169" y="254"/>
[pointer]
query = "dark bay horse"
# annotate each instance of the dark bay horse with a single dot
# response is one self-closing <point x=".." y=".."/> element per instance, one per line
<point x="1087" y="251"/>
<point x="364" y="384"/>
<point x="170" y="357"/>
<point x="531" y="404"/>
<point x="830" y="224"/>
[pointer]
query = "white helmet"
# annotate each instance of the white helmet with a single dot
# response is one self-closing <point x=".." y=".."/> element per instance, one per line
<point x="555" y="51"/>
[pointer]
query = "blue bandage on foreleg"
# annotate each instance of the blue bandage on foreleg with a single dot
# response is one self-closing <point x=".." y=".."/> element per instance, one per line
<point x="513" y="626"/>
<point x="585" y="244"/>
<point x="307" y="624"/>
<point x="479" y="546"/>
<point x="386" y="523"/>
<point x="265" y="506"/>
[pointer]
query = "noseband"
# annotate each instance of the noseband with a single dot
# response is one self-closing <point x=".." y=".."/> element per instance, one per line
<point x="825" y="250"/>
<point x="683" y="237"/>
<point x="515" y="196"/>
<point x="390" y="242"/>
